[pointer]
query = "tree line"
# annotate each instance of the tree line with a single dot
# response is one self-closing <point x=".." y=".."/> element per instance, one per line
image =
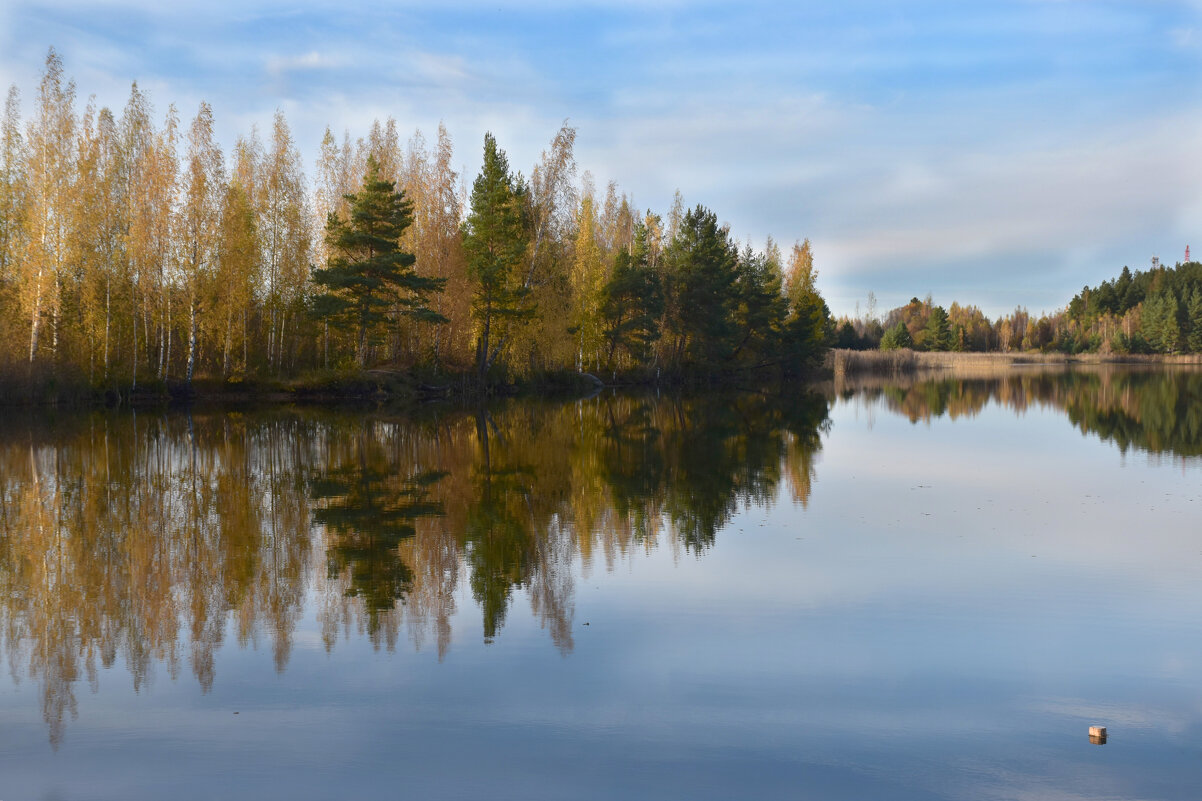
<point x="1158" y="310"/>
<point x="135" y="250"/>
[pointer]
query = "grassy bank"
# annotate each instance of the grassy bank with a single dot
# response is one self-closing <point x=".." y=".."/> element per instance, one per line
<point x="852" y="371"/>
<point x="909" y="362"/>
<point x="41" y="386"/>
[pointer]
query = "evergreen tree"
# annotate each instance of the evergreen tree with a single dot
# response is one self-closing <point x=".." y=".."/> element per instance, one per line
<point x="1159" y="324"/>
<point x="633" y="302"/>
<point x="846" y="337"/>
<point x="494" y="239"/>
<point x="1193" y="313"/>
<point x="704" y="268"/>
<point x="368" y="272"/>
<point x="761" y="306"/>
<point x="939" y="334"/>
<point x="896" y="337"/>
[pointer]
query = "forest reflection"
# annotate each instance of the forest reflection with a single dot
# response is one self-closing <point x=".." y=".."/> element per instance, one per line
<point x="147" y="540"/>
<point x="1155" y="411"/>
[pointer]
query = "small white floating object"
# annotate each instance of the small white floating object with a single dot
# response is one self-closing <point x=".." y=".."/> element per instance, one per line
<point x="1097" y="731"/>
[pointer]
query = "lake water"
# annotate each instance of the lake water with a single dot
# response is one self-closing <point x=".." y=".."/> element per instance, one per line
<point x="918" y="591"/>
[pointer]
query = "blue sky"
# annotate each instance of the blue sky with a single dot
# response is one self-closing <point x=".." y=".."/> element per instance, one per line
<point x="997" y="152"/>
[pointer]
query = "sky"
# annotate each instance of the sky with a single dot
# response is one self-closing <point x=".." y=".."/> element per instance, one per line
<point x="992" y="152"/>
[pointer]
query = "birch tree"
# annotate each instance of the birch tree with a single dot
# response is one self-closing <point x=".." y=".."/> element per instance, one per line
<point x="13" y="208"/>
<point x="136" y="132"/>
<point x="200" y="221"/>
<point x="588" y="277"/>
<point x="51" y="166"/>
<point x="238" y="265"/>
<point x="284" y="234"/>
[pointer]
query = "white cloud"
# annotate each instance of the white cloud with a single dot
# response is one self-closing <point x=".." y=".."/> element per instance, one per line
<point x="312" y="60"/>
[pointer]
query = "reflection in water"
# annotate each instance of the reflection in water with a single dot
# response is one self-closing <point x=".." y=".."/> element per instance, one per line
<point x="149" y="538"/>
<point x="1154" y="411"/>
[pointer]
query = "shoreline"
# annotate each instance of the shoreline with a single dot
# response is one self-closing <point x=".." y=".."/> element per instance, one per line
<point x="844" y="362"/>
<point x="401" y="387"/>
<point x="378" y="386"/>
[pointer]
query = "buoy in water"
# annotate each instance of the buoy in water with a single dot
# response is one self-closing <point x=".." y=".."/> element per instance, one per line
<point x="1097" y="735"/>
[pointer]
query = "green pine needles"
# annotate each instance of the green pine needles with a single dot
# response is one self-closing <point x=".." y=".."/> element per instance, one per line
<point x="369" y="280"/>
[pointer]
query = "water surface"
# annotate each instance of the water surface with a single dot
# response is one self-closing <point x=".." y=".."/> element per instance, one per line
<point x="927" y="590"/>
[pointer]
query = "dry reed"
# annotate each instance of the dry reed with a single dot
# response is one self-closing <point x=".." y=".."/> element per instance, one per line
<point x="908" y="362"/>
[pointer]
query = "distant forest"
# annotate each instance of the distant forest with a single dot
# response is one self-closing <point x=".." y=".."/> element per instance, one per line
<point x="1154" y="311"/>
<point x="136" y="252"/>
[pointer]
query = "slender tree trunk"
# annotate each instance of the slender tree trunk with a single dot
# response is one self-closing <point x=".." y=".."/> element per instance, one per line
<point x="229" y="342"/>
<point x="107" y="320"/>
<point x="279" y="361"/>
<point x="146" y="332"/>
<point x="36" y="317"/>
<point x="134" y="383"/>
<point x="167" y="359"/>
<point x="191" y="338"/>
<point x="482" y="346"/>
<point x="364" y="305"/>
<point x="54" y="316"/>
<point x="438" y="342"/>
<point x="270" y="335"/>
<point x="162" y="343"/>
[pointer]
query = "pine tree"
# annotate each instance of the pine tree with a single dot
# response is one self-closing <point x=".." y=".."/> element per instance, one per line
<point x="939" y="333"/>
<point x="1193" y="312"/>
<point x="494" y="240"/>
<point x="633" y="301"/>
<point x="1159" y="324"/>
<point x="368" y="272"/>
<point x="761" y="307"/>
<point x="896" y="337"/>
<point x="704" y="269"/>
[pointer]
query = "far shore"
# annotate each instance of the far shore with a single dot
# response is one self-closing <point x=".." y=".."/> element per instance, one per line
<point x="852" y="370"/>
<point x="903" y="361"/>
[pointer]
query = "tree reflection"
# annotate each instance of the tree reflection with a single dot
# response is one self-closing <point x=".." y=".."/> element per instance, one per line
<point x="498" y="540"/>
<point x="152" y="539"/>
<point x="367" y="509"/>
<point x="1155" y="411"/>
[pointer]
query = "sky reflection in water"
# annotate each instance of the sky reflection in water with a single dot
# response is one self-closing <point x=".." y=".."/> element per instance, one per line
<point x="924" y="591"/>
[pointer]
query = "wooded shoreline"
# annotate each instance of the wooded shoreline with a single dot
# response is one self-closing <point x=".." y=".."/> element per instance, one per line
<point x="25" y="388"/>
<point x="904" y="361"/>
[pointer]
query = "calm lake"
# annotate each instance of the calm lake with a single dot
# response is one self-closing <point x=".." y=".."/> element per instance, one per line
<point x="926" y="590"/>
